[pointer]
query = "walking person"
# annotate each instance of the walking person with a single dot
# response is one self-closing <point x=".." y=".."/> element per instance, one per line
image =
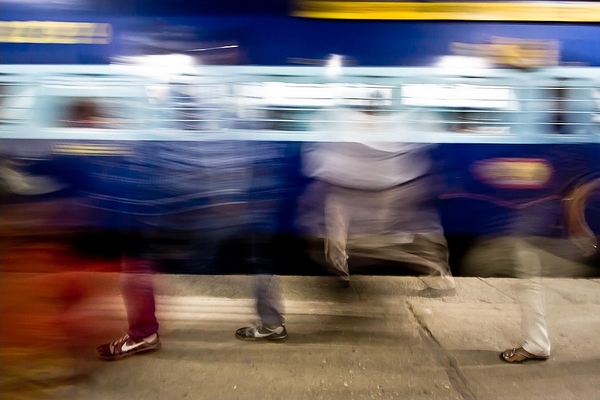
<point x="377" y="196"/>
<point x="534" y="330"/>
<point x="268" y="190"/>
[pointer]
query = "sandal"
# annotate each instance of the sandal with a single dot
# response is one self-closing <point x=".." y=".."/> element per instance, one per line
<point x="520" y="355"/>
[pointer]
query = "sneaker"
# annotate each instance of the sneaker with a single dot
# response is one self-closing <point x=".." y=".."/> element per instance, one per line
<point x="432" y="293"/>
<point x="262" y="332"/>
<point x="126" y="346"/>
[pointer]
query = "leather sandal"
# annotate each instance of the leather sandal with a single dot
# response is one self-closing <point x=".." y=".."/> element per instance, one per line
<point x="520" y="355"/>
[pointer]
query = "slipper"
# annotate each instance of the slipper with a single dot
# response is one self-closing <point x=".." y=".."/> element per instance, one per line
<point x="520" y="355"/>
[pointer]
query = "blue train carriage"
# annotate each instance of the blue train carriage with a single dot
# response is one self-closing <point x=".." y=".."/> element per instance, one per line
<point x="85" y="147"/>
<point x="68" y="132"/>
<point x="515" y="150"/>
<point x="118" y="149"/>
<point x="524" y="162"/>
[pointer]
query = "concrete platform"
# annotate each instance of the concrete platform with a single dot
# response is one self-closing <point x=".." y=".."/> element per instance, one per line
<point x="376" y="339"/>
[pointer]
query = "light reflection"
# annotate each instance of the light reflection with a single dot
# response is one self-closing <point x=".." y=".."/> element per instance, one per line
<point x="461" y="64"/>
<point x="334" y="65"/>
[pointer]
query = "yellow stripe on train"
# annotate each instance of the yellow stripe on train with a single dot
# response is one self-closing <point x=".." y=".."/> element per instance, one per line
<point x="55" y="32"/>
<point x="450" y="11"/>
<point x="90" y="149"/>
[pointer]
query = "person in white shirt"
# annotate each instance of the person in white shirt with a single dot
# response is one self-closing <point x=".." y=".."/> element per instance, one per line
<point x="377" y="193"/>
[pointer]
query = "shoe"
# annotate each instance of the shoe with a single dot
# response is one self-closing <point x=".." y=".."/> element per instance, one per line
<point x="343" y="282"/>
<point x="262" y="332"/>
<point x="432" y="293"/>
<point x="520" y="355"/>
<point x="125" y="347"/>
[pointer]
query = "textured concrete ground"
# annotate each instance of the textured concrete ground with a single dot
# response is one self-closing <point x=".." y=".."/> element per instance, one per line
<point x="373" y="340"/>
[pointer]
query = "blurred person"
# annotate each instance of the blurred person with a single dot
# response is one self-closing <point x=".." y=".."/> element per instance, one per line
<point x="186" y="198"/>
<point x="46" y="326"/>
<point x="82" y="113"/>
<point x="133" y="245"/>
<point x="521" y="253"/>
<point x="268" y="190"/>
<point x="216" y="190"/>
<point x="138" y="294"/>
<point x="529" y="267"/>
<point x="533" y="226"/>
<point x="536" y="342"/>
<point x="111" y="190"/>
<point x="377" y="197"/>
<point x="86" y="113"/>
<point x="88" y="182"/>
<point x="190" y="216"/>
<point x="268" y="295"/>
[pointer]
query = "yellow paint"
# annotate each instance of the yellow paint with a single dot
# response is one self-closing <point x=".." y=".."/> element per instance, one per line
<point x="525" y="173"/>
<point x="461" y="11"/>
<point x="55" y="32"/>
<point x="513" y="52"/>
<point x="90" y="149"/>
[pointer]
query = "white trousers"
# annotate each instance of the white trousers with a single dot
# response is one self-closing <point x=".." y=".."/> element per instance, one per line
<point x="531" y="300"/>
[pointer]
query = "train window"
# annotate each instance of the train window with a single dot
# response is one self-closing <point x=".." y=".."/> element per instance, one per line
<point x="365" y="97"/>
<point x="288" y="119"/>
<point x="466" y="108"/>
<point x="84" y="114"/>
<point x="196" y="106"/>
<point x="279" y="106"/>
<point x="16" y="102"/>
<point x="94" y="113"/>
<point x="559" y="109"/>
<point x="476" y="121"/>
<point x="474" y="96"/>
<point x="570" y="107"/>
<point x="596" y="111"/>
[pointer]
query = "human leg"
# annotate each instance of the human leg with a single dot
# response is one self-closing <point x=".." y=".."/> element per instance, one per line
<point x="427" y="253"/>
<point x="138" y="294"/>
<point x="269" y="306"/>
<point x="531" y="299"/>
<point x="433" y="249"/>
<point x="269" y="302"/>
<point x="336" y="230"/>
<point x="267" y="292"/>
<point x="137" y="290"/>
<point x="536" y="341"/>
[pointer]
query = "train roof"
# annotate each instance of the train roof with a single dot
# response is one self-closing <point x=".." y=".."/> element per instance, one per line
<point x="285" y="32"/>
